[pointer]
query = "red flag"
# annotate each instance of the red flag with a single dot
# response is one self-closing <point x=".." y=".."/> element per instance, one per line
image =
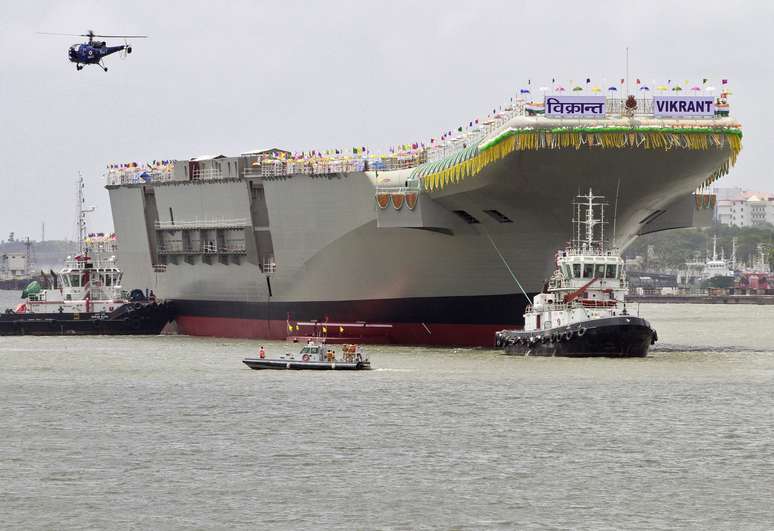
<point x="622" y="81"/>
<point x="638" y="81"/>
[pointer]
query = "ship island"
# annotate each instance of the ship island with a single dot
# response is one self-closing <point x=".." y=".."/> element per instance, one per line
<point x="441" y="242"/>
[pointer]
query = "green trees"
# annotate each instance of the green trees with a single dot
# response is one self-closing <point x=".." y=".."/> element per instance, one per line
<point x="673" y="248"/>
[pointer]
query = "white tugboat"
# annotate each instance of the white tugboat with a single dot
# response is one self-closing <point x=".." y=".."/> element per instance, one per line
<point x="314" y="356"/>
<point x="86" y="296"/>
<point x="581" y="311"/>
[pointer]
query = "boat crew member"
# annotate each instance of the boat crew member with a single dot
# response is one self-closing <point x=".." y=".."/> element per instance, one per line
<point x="261" y="353"/>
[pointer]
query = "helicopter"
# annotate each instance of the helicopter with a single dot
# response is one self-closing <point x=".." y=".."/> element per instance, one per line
<point x="93" y="51"/>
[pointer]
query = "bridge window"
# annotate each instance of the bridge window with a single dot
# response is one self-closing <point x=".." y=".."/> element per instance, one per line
<point x="600" y="271"/>
<point x="588" y="270"/>
<point x="611" y="271"/>
<point x="576" y="270"/>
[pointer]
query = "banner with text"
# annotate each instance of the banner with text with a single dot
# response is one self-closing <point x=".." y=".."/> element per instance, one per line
<point x="683" y="106"/>
<point x="583" y="106"/>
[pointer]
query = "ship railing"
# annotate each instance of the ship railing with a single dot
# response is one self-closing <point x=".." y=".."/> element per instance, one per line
<point x="474" y="135"/>
<point x="279" y="168"/>
<point x="206" y="174"/>
<point x="204" y="248"/>
<point x="116" y="176"/>
<point x="214" y="223"/>
<point x="408" y="187"/>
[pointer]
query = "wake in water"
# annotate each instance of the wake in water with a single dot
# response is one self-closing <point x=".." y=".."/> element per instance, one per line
<point x="726" y="349"/>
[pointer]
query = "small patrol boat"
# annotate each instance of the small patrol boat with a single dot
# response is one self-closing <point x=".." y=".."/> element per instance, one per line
<point x="314" y="356"/>
<point x="581" y="311"/>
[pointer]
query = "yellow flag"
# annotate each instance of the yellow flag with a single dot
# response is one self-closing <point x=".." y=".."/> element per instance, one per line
<point x="290" y="327"/>
<point x="296" y="328"/>
<point x="341" y="330"/>
<point x="325" y="329"/>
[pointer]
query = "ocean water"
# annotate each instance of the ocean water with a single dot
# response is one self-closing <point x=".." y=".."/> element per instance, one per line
<point x="176" y="433"/>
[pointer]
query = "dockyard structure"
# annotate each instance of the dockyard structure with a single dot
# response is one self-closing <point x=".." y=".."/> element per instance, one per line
<point x="14" y="264"/>
<point x="424" y="243"/>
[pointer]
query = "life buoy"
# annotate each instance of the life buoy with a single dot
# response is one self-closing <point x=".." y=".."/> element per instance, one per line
<point x="305" y="357"/>
<point x="136" y="305"/>
<point x="581" y="331"/>
<point x="567" y="335"/>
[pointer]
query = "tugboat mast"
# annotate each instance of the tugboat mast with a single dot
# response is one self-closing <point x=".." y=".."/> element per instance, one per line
<point x="81" y="211"/>
<point x="586" y="223"/>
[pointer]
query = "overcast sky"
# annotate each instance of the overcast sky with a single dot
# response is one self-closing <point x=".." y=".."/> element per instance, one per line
<point x="226" y="77"/>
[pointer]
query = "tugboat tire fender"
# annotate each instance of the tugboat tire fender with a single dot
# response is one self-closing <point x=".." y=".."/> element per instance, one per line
<point x="581" y="331"/>
<point x="567" y="335"/>
<point x="136" y="306"/>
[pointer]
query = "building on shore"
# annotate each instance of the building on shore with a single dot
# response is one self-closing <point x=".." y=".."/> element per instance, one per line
<point x="743" y="208"/>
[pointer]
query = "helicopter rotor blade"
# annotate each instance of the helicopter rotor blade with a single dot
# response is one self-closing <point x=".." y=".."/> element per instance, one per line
<point x="62" y="34"/>
<point x="120" y="36"/>
<point x="92" y="34"/>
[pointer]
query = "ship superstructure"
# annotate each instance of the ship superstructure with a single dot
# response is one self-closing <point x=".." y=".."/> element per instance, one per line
<point x="411" y="246"/>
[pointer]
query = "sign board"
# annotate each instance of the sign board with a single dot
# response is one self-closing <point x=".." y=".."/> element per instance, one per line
<point x="575" y="106"/>
<point x="683" y="106"/>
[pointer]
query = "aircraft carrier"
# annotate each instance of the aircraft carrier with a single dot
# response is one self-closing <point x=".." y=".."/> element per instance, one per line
<point x="433" y="243"/>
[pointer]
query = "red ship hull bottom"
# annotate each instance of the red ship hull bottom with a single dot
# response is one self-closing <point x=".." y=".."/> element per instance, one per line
<point x="435" y="334"/>
<point x="441" y="321"/>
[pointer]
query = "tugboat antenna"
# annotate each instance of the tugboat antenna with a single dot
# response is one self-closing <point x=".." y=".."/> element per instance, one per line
<point x="81" y="212"/>
<point x="615" y="210"/>
<point x="588" y="240"/>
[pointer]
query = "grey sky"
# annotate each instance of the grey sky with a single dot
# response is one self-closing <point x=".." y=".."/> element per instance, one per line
<point x="225" y="77"/>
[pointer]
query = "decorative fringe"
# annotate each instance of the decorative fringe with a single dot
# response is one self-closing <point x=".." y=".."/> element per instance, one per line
<point x="437" y="175"/>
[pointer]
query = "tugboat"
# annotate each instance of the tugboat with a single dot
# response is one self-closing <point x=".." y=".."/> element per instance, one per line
<point x="581" y="312"/>
<point x="314" y="356"/>
<point x="86" y="297"/>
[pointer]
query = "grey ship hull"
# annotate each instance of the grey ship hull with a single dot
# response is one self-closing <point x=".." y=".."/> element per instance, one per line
<point x="424" y="277"/>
